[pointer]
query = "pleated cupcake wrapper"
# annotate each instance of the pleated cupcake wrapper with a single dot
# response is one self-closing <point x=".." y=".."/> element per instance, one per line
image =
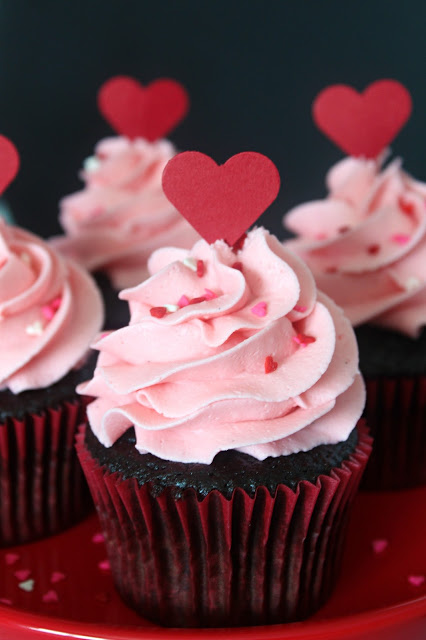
<point x="42" y="487"/>
<point x="396" y="413"/>
<point x="214" y="561"/>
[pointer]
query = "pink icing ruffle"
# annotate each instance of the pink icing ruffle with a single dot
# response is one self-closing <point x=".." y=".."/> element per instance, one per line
<point x="366" y="243"/>
<point x="50" y="311"/>
<point x="122" y="214"/>
<point x="193" y="382"/>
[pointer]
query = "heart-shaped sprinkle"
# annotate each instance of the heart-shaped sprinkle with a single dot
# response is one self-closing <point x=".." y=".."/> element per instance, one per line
<point x="259" y="309"/>
<point x="27" y="585"/>
<point x="9" y="162"/>
<point x="379" y="545"/>
<point x="6" y="601"/>
<point x="270" y="364"/>
<point x="221" y="201"/>
<point x="50" y="596"/>
<point x="22" y="574"/>
<point x="98" y="537"/>
<point x="416" y="580"/>
<point x="400" y="238"/>
<point x="362" y="124"/>
<point x="302" y="340"/>
<point x="11" y="558"/>
<point x="300" y="308"/>
<point x="104" y="565"/>
<point x="57" y="576"/>
<point x="136" y="111"/>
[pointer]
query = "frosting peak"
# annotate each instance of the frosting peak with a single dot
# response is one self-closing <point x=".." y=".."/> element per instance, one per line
<point x="366" y="243"/>
<point x="50" y="311"/>
<point x="122" y="214"/>
<point x="224" y="351"/>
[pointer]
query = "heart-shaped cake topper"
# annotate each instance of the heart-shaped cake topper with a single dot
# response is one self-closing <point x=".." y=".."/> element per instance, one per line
<point x="362" y="124"/>
<point x="221" y="201"/>
<point x="9" y="162"/>
<point x="136" y="111"/>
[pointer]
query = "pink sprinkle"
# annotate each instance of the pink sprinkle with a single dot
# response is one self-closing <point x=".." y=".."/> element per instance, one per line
<point x="11" y="558"/>
<point x="379" y="545"/>
<point x="104" y="565"/>
<point x="209" y="294"/>
<point x="98" y="537"/>
<point x="303" y="340"/>
<point x="200" y="268"/>
<point x="50" y="596"/>
<point x="416" y="580"/>
<point x="6" y="601"/>
<point x="47" y="312"/>
<point x="259" y="309"/>
<point x="22" y="574"/>
<point x="56" y="303"/>
<point x="183" y="301"/>
<point x="400" y="238"/>
<point x="300" y="308"/>
<point x="57" y="576"/>
<point x="320" y="236"/>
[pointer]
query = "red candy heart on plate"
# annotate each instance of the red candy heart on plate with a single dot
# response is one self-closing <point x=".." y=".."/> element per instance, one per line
<point x="221" y="201"/>
<point x="148" y="112"/>
<point x="362" y="124"/>
<point x="9" y="162"/>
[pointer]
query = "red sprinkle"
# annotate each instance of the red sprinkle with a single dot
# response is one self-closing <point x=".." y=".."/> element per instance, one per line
<point x="331" y="270"/>
<point x="197" y="300"/>
<point x="300" y="308"/>
<point x="406" y="207"/>
<point x="183" y="301"/>
<point x="343" y="229"/>
<point x="201" y="269"/>
<point x="270" y="364"/>
<point x="158" y="312"/>
<point x="237" y="265"/>
<point x="303" y="340"/>
<point x="239" y="244"/>
<point x="373" y="249"/>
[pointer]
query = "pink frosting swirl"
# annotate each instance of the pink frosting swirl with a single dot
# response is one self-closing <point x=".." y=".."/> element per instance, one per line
<point x="122" y="214"/>
<point x="366" y="243"/>
<point x="227" y="351"/>
<point x="50" y="311"/>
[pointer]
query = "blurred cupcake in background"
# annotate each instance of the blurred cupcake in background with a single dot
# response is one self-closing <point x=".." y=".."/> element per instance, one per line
<point x="122" y="214"/>
<point x="366" y="246"/>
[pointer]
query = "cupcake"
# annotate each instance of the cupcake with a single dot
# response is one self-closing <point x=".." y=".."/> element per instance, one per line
<point x="366" y="246"/>
<point x="122" y="215"/>
<point x="223" y="449"/>
<point x="50" y="311"/>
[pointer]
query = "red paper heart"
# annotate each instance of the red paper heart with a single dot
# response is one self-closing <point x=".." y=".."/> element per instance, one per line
<point x="143" y="112"/>
<point x="221" y="202"/>
<point x="362" y="124"/>
<point x="9" y="162"/>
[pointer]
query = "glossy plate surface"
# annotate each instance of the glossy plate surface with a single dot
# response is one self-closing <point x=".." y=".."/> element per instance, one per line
<point x="61" y="587"/>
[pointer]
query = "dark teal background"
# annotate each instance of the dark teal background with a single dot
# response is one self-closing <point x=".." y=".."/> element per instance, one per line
<point x="252" y="70"/>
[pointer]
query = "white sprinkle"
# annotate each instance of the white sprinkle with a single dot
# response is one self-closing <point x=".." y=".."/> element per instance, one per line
<point x="191" y="263"/>
<point x="27" y="585"/>
<point x="171" y="307"/>
<point x="92" y="163"/>
<point x="412" y="283"/>
<point x="25" y="258"/>
<point x="35" y="329"/>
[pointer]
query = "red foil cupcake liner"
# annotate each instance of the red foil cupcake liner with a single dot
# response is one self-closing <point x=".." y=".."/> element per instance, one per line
<point x="396" y="413"/>
<point x="214" y="561"/>
<point x="42" y="487"/>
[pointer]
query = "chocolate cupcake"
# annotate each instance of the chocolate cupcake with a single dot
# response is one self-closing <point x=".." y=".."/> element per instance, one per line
<point x="50" y="311"/>
<point x="223" y="451"/>
<point x="366" y="246"/>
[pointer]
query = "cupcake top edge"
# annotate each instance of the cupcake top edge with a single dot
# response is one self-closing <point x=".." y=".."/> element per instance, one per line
<point x="227" y="348"/>
<point x="366" y="243"/>
<point x="50" y="312"/>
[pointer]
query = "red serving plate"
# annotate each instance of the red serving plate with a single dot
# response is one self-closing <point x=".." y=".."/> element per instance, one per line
<point x="381" y="593"/>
